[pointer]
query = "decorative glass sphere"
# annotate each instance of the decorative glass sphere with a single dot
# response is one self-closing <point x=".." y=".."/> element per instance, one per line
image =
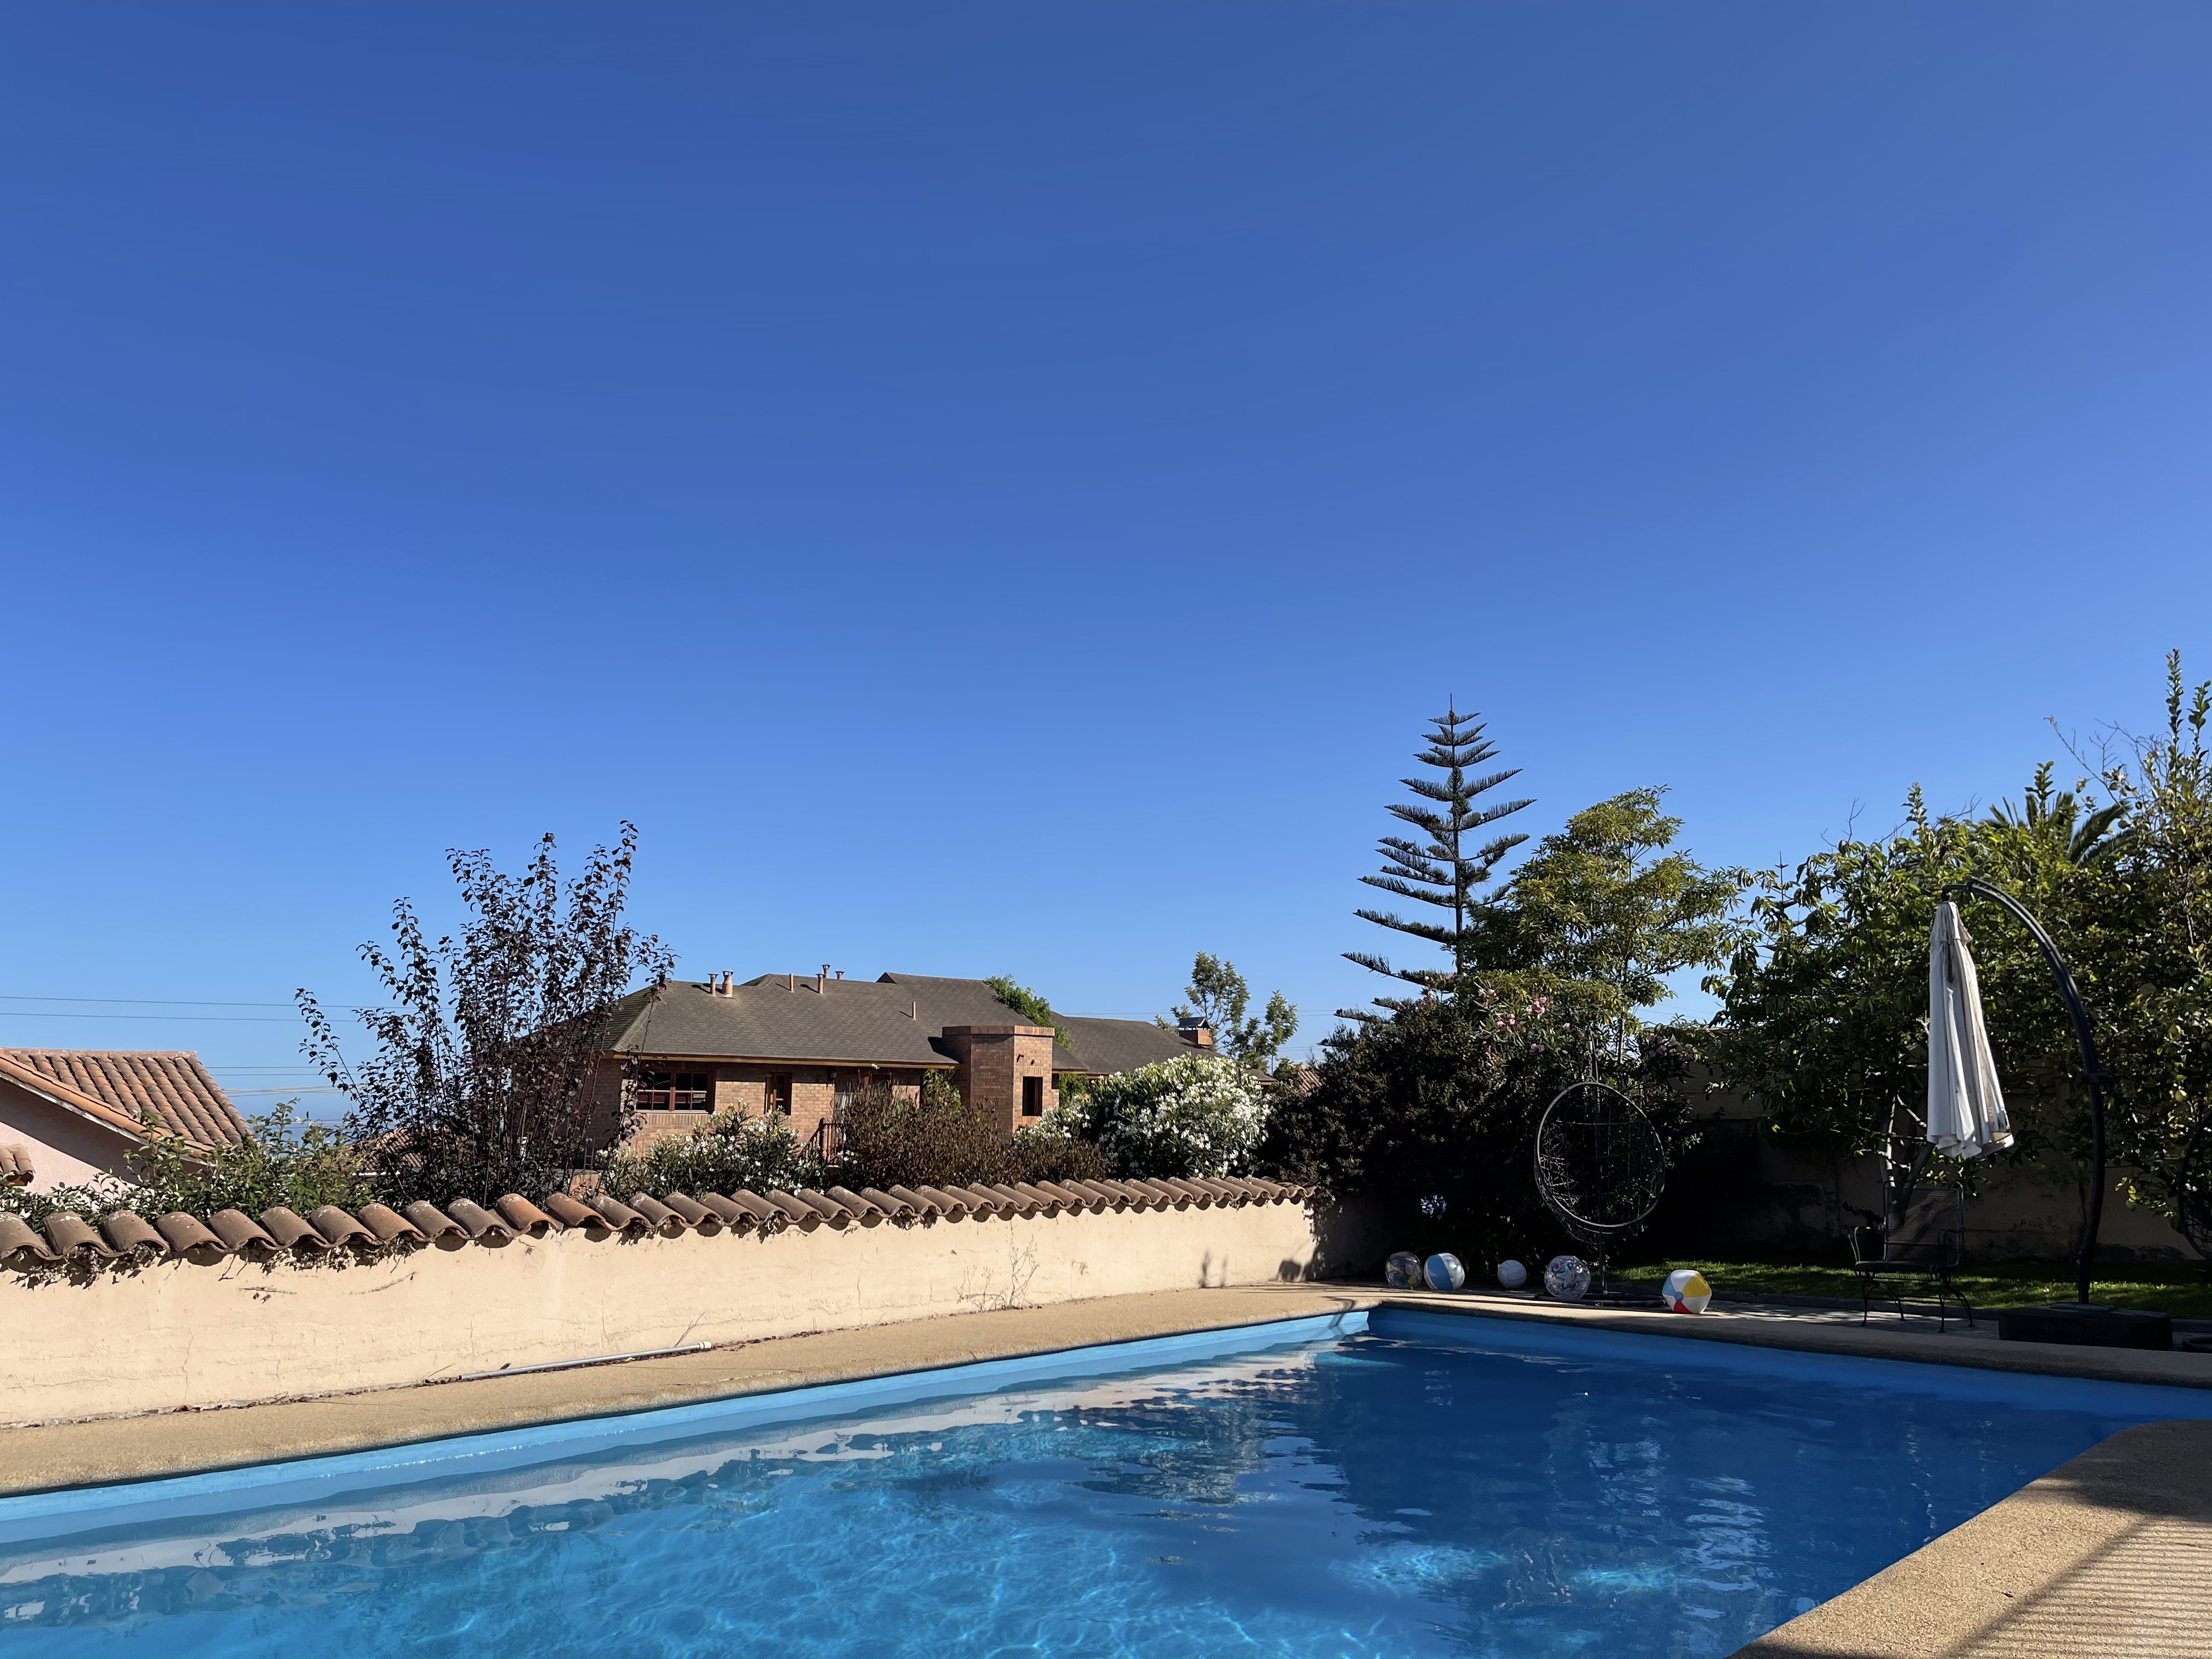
<point x="1686" y="1291"/>
<point x="1567" y="1277"/>
<point x="1512" y="1275"/>
<point x="1444" y="1271"/>
<point x="1403" y="1272"/>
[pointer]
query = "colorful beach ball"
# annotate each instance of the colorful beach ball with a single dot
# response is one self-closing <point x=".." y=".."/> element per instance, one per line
<point x="1567" y="1277"/>
<point x="1686" y="1291"/>
<point x="1404" y="1271"/>
<point x="1512" y="1275"/>
<point x="1444" y="1271"/>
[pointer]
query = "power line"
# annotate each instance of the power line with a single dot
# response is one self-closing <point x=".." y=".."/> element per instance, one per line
<point x="225" y="1020"/>
<point x="161" y="1002"/>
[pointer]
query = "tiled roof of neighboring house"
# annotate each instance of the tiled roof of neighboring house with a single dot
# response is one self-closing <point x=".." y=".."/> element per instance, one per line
<point x="378" y="1229"/>
<point x="893" y="1021"/>
<point x="117" y="1089"/>
<point x="16" y="1166"/>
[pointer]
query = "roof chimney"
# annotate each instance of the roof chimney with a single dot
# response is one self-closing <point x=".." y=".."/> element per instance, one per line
<point x="1200" y="1035"/>
<point x="821" y="982"/>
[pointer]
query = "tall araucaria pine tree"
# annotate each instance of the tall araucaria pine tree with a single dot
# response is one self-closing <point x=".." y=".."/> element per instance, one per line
<point x="1443" y="871"/>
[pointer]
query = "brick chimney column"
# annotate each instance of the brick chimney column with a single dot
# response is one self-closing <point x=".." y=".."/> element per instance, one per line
<point x="993" y="1060"/>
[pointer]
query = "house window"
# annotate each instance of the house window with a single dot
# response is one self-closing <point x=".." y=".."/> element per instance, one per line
<point x="775" y="1095"/>
<point x="1032" y="1096"/>
<point x="851" y="1086"/>
<point x="675" y="1091"/>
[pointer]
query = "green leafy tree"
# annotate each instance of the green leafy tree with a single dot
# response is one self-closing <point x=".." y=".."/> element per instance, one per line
<point x="2166" y="785"/>
<point x="1220" y="1000"/>
<point x="1824" y="1010"/>
<point x="2157" y="1039"/>
<point x="1029" y="1004"/>
<point x="1824" y="1007"/>
<point x="2064" y="828"/>
<point x="1600" y="916"/>
<point x="1430" y="1115"/>
<point x="1445" y="867"/>
<point x="1432" y="1110"/>
<point x="1824" y="1018"/>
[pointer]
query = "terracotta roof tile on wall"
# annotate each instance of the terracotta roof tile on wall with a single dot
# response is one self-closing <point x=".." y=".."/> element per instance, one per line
<point x="524" y="1216"/>
<point x="118" y="1087"/>
<point x="70" y="1238"/>
<point x="133" y="1235"/>
<point x="20" y="1247"/>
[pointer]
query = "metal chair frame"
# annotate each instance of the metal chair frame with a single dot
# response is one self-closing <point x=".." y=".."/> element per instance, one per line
<point x="1876" y="1256"/>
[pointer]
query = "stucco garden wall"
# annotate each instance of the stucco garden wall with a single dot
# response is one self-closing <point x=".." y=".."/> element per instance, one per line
<point x="173" y="1334"/>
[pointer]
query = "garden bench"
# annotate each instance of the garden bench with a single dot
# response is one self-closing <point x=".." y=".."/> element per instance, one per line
<point x="1925" y="1241"/>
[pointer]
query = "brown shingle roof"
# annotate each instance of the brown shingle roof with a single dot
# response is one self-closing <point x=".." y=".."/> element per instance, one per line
<point x="119" y="1088"/>
<point x="1104" y="1047"/>
<point x="896" y="1020"/>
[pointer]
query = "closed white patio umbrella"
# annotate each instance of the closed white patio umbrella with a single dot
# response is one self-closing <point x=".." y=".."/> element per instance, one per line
<point x="1965" y="1105"/>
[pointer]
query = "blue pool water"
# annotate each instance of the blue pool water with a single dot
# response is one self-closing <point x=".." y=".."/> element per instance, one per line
<point x="1423" y="1486"/>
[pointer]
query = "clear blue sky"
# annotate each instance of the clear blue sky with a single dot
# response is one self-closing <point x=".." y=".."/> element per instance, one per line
<point x="999" y="488"/>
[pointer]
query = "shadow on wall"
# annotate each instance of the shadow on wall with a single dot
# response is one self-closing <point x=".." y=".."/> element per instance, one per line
<point x="1745" y="1191"/>
<point x="1735" y="1193"/>
<point x="1352" y="1240"/>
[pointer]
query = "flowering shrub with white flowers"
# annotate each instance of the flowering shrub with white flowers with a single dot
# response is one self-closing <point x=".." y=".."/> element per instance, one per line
<point x="1187" y="1116"/>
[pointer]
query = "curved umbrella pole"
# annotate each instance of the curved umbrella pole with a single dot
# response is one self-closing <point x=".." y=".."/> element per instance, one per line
<point x="2093" y="1074"/>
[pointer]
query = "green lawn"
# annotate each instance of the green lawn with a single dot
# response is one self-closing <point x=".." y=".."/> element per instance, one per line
<point x="2181" y="1288"/>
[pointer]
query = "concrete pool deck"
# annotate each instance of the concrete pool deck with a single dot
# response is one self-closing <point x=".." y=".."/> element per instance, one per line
<point x="2110" y="1555"/>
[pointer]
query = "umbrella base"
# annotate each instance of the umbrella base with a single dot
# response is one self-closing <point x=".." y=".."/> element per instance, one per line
<point x="2087" y="1324"/>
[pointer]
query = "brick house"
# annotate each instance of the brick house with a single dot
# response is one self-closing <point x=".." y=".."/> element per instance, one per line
<point x="799" y="1046"/>
<point x="69" y="1116"/>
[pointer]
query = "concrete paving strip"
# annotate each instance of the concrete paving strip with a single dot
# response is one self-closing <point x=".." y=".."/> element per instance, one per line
<point x="2110" y="1555"/>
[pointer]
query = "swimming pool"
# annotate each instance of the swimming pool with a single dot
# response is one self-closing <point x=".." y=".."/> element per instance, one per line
<point x="1400" y="1483"/>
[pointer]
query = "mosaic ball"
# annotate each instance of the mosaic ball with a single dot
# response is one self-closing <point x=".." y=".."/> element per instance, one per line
<point x="1444" y="1271"/>
<point x="1686" y="1291"/>
<point x="1512" y="1275"/>
<point x="1404" y="1271"/>
<point x="1567" y="1277"/>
